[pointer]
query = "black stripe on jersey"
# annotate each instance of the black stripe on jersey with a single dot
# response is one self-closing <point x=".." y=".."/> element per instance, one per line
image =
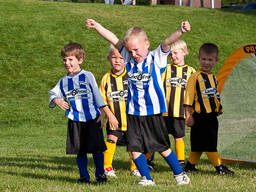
<point x="200" y="99"/>
<point x="117" y="112"/>
<point x="172" y="96"/>
<point x="211" y="96"/>
<point x="218" y="97"/>
<point x="184" y="76"/>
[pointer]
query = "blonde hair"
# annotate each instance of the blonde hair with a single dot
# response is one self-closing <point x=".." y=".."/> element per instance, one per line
<point x="135" y="32"/>
<point x="73" y="49"/>
<point x="180" y="44"/>
<point x="111" y="49"/>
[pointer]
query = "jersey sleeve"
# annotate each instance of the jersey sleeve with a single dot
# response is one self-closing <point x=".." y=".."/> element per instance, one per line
<point x="190" y="91"/>
<point x="103" y="89"/>
<point x="95" y="91"/>
<point x="55" y="93"/>
<point x="160" y="57"/>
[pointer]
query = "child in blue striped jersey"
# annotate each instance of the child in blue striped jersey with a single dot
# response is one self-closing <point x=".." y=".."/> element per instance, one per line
<point x="77" y="93"/>
<point x="146" y="128"/>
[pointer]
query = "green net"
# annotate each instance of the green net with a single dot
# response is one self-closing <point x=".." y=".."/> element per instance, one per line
<point x="237" y="124"/>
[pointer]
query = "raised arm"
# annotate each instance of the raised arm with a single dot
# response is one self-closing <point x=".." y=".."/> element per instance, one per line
<point x="105" y="33"/>
<point x="184" y="27"/>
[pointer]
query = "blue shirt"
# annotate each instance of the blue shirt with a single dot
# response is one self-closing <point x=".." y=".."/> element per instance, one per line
<point x="82" y="94"/>
<point x="145" y="88"/>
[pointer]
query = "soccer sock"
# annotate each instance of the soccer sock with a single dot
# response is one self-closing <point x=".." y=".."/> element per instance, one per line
<point x="109" y="154"/>
<point x="214" y="158"/>
<point x="194" y="157"/>
<point x="141" y="164"/>
<point x="81" y="161"/>
<point x="180" y="149"/>
<point x="133" y="166"/>
<point x="173" y="162"/>
<point x="99" y="164"/>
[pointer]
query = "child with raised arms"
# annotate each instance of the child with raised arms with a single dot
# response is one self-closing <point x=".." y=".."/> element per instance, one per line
<point x="146" y="128"/>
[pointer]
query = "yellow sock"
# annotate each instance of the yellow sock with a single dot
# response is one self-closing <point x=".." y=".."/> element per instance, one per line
<point x="214" y="158"/>
<point x="109" y="154"/>
<point x="180" y="149"/>
<point x="133" y="166"/>
<point x="194" y="157"/>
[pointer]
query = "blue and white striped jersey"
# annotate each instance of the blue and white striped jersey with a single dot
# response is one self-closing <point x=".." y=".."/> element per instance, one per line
<point x="82" y="93"/>
<point x="145" y="88"/>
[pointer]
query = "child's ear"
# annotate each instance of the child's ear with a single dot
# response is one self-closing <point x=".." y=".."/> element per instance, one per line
<point x="147" y="44"/>
<point x="80" y="61"/>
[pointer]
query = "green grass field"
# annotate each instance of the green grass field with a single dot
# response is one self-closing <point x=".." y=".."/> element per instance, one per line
<point x="32" y="136"/>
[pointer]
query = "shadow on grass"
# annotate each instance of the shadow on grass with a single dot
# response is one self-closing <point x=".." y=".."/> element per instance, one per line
<point x="240" y="11"/>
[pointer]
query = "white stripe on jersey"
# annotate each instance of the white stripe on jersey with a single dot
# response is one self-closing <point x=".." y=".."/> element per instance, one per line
<point x="145" y="88"/>
<point x="82" y="94"/>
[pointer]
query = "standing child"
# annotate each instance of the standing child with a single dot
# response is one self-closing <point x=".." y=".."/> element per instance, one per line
<point x="202" y="106"/>
<point x="77" y="93"/>
<point x="114" y="92"/>
<point x="175" y="80"/>
<point x="146" y="99"/>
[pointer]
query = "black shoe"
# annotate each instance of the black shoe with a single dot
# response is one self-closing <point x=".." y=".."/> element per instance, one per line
<point x="102" y="178"/>
<point x="151" y="165"/>
<point x="223" y="170"/>
<point x="83" y="180"/>
<point x="190" y="167"/>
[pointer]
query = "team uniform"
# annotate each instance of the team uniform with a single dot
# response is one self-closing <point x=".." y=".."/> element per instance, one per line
<point x="146" y="101"/>
<point x="175" y="79"/>
<point x="114" y="92"/>
<point x="203" y="95"/>
<point x="84" y="135"/>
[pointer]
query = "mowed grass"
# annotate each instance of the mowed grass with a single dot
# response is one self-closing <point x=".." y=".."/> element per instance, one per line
<point x="32" y="136"/>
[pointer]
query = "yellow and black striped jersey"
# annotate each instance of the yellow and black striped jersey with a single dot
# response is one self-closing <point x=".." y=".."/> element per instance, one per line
<point x="202" y="93"/>
<point x="175" y="79"/>
<point x="114" y="92"/>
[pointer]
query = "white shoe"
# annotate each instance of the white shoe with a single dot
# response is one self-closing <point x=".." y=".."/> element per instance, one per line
<point x="182" y="179"/>
<point x="110" y="172"/>
<point x="145" y="182"/>
<point x="136" y="173"/>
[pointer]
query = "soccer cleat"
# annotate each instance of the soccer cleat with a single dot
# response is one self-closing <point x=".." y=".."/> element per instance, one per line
<point x="136" y="173"/>
<point x="83" y="180"/>
<point x="190" y="167"/>
<point x="182" y="179"/>
<point x="102" y="178"/>
<point x="110" y="172"/>
<point x="182" y="164"/>
<point x="145" y="182"/>
<point x="151" y="165"/>
<point x="223" y="170"/>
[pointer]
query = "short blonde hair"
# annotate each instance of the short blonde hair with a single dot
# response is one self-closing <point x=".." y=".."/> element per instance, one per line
<point x="180" y="44"/>
<point x="73" y="49"/>
<point x="111" y="49"/>
<point x="135" y="32"/>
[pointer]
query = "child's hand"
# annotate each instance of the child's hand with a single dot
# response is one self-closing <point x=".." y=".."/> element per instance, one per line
<point x="61" y="103"/>
<point x="185" y="26"/>
<point x="190" y="121"/>
<point x="113" y="122"/>
<point x="101" y="120"/>
<point x="90" y="23"/>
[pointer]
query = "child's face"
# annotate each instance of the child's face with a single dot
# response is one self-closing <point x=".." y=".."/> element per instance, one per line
<point x="116" y="61"/>
<point x="137" y="48"/>
<point x="72" y="64"/>
<point x="177" y="56"/>
<point x="207" y="61"/>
